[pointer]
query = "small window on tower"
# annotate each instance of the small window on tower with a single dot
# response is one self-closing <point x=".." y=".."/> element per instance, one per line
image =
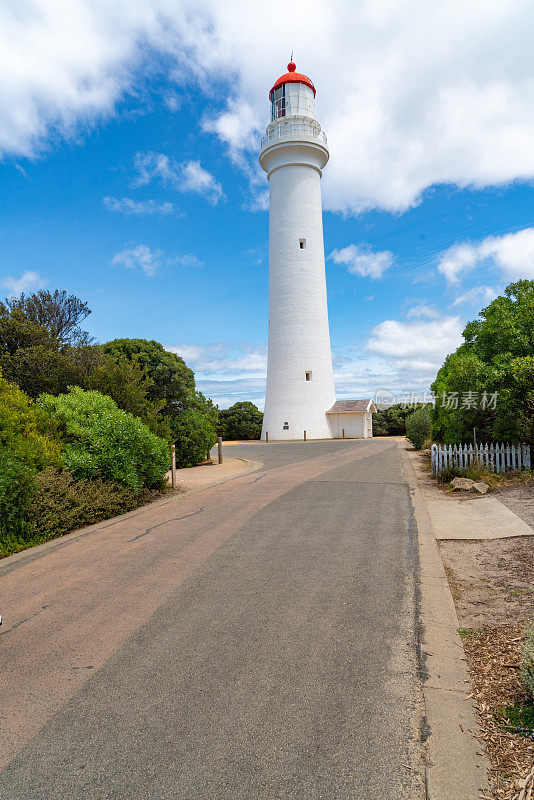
<point x="308" y="375"/>
<point x="302" y="244"/>
<point x="286" y="426"/>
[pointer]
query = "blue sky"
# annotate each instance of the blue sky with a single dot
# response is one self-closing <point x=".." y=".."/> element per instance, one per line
<point x="129" y="177"/>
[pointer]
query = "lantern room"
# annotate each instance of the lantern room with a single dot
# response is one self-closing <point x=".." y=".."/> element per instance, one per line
<point x="293" y="95"/>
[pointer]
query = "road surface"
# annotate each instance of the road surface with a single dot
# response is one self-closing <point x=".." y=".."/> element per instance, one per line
<point x="254" y="640"/>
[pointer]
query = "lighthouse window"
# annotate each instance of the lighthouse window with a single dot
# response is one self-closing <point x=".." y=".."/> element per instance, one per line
<point x="278" y="108"/>
<point x="286" y="426"/>
<point x="302" y="244"/>
<point x="308" y="376"/>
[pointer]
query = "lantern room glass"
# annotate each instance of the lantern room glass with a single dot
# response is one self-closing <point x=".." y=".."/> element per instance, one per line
<point x="292" y="100"/>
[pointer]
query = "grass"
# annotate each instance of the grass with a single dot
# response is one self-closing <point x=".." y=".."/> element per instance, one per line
<point x="469" y="633"/>
<point x="518" y="718"/>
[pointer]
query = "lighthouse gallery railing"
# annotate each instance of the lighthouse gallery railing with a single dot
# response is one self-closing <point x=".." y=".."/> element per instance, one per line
<point x="294" y="130"/>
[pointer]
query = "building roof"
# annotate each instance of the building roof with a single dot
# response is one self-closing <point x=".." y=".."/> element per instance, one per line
<point x="351" y="406"/>
<point x="292" y="77"/>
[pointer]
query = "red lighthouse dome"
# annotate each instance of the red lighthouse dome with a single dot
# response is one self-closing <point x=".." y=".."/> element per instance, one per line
<point x="292" y="76"/>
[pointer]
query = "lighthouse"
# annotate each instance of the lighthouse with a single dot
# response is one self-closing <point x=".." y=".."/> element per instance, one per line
<point x="300" y="381"/>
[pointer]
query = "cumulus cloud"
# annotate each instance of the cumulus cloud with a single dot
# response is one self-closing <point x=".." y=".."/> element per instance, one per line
<point x="512" y="254"/>
<point x="140" y="257"/>
<point x="429" y="92"/>
<point x="363" y="261"/>
<point x="430" y="341"/>
<point x="29" y="281"/>
<point x="189" y="260"/>
<point x="422" y="311"/>
<point x="138" y="208"/>
<point x="476" y="295"/>
<point x="189" y="176"/>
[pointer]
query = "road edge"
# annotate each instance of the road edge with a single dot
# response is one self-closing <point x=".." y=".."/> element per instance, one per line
<point x="456" y="768"/>
<point x="9" y="563"/>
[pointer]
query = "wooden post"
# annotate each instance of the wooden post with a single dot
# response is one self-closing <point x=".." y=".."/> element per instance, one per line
<point x="219" y="449"/>
<point x="304" y="435"/>
<point x="173" y="467"/>
<point x="343" y="432"/>
<point x="266" y="437"/>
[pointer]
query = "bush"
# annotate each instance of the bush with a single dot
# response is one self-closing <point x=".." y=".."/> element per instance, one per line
<point x="60" y="504"/>
<point x="418" y="427"/>
<point x="16" y="493"/>
<point x="527" y="662"/>
<point x="241" y="421"/>
<point x="103" y="441"/>
<point x="195" y="437"/>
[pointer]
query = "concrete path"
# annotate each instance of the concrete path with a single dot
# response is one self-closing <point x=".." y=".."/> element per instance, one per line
<point x="460" y="515"/>
<point x="255" y="639"/>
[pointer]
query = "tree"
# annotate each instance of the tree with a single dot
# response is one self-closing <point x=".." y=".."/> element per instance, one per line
<point x="490" y="377"/>
<point x="243" y="420"/>
<point x="172" y="380"/>
<point x="391" y="421"/>
<point x="103" y="441"/>
<point x="195" y="436"/>
<point x="56" y="312"/>
<point x="418" y="426"/>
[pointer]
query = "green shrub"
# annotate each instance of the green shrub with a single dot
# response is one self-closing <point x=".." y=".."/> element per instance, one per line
<point x="103" y="441"/>
<point x="527" y="662"/>
<point x="195" y="436"/>
<point x="27" y="432"/>
<point x="418" y="427"/>
<point x="241" y="421"/>
<point x="16" y="493"/>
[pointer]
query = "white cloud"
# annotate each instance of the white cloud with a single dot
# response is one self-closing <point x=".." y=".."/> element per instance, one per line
<point x="422" y="311"/>
<point x="138" y="207"/>
<point x="29" y="281"/>
<point x="512" y="254"/>
<point x="139" y="257"/>
<point x="427" y="341"/>
<point x="427" y="93"/>
<point x="189" y="260"/>
<point x="363" y="261"/>
<point x="476" y="295"/>
<point x="189" y="176"/>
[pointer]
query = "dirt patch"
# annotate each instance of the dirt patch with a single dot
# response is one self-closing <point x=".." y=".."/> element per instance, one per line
<point x="520" y="500"/>
<point x="493" y="658"/>
<point x="492" y="582"/>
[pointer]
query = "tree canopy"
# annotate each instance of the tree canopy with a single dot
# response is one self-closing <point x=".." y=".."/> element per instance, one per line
<point x="487" y="385"/>
<point x="243" y="420"/>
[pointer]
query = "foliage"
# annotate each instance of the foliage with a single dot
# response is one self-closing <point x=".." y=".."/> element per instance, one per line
<point x="241" y="421"/>
<point x="418" y="426"/>
<point x="391" y="421"/>
<point x="517" y="718"/>
<point x="58" y="313"/>
<point x="497" y="356"/>
<point x="60" y="504"/>
<point x="527" y="662"/>
<point x="27" y="432"/>
<point x="16" y="492"/>
<point x="172" y="380"/>
<point x="195" y="436"/>
<point x="104" y="441"/>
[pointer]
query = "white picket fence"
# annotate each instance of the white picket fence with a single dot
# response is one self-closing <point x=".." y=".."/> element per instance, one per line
<point x="496" y="457"/>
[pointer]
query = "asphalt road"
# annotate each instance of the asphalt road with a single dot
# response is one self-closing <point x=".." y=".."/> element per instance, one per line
<point x="252" y="640"/>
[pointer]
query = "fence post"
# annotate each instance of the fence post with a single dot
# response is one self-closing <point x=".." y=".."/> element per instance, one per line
<point x="343" y="432"/>
<point x="304" y="435"/>
<point x="173" y="467"/>
<point x="219" y="449"/>
<point x="266" y="437"/>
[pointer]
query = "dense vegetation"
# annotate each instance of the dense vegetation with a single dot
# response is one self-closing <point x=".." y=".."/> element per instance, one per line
<point x="86" y="428"/>
<point x="240" y="421"/>
<point x="391" y="421"/>
<point x="487" y="385"/>
<point x="418" y="426"/>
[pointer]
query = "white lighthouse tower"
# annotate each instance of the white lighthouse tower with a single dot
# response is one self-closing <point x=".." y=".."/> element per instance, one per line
<point x="300" y="381"/>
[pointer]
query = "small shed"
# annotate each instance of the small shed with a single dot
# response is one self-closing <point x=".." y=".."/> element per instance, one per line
<point x="355" y="417"/>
